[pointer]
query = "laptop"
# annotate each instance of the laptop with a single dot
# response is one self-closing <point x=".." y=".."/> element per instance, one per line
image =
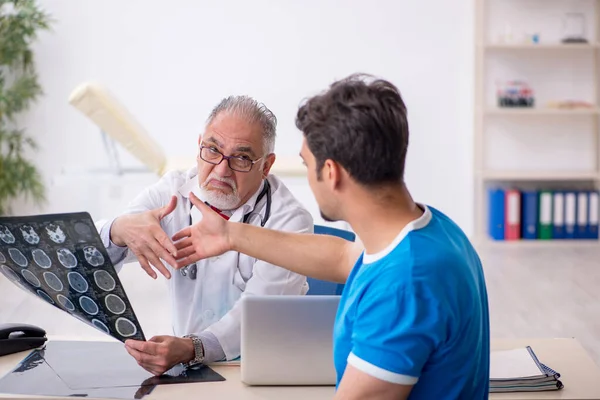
<point x="288" y="340"/>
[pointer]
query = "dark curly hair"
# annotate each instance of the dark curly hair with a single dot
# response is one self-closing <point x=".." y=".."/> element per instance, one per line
<point x="360" y="123"/>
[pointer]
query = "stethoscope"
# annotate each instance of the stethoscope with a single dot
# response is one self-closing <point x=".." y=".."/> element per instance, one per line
<point x="266" y="191"/>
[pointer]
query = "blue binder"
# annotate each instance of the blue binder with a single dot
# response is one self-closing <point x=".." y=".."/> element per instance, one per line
<point x="496" y="213"/>
<point x="582" y="224"/>
<point x="570" y="215"/>
<point x="558" y="215"/>
<point x="593" y="215"/>
<point x="529" y="218"/>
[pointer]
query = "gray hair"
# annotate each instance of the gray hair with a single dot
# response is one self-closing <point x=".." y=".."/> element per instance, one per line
<point x="253" y="112"/>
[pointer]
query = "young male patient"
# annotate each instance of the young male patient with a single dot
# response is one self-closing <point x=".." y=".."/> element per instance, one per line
<point x="413" y="318"/>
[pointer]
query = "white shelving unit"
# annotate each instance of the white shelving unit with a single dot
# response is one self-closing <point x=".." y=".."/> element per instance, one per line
<point x="538" y="176"/>
<point x="541" y="111"/>
<point x="533" y="244"/>
<point x="542" y="47"/>
<point x="508" y="140"/>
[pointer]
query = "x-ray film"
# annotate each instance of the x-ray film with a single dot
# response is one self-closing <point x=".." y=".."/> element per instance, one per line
<point x="61" y="259"/>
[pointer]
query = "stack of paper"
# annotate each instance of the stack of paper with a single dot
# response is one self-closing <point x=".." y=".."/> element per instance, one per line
<point x="519" y="370"/>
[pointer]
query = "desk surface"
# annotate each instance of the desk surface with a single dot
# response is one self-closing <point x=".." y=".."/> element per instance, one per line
<point x="579" y="374"/>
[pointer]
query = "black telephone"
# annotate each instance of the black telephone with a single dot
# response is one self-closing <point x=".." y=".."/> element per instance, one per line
<point x="20" y="337"/>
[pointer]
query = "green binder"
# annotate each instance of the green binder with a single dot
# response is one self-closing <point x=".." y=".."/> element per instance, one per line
<point x="545" y="215"/>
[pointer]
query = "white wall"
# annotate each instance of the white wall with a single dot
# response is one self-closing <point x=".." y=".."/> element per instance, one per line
<point x="170" y="62"/>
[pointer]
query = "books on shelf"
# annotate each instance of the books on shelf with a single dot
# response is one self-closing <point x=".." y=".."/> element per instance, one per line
<point x="542" y="214"/>
<point x="520" y="370"/>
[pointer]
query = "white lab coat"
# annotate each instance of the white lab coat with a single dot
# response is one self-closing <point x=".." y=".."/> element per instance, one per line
<point x="210" y="302"/>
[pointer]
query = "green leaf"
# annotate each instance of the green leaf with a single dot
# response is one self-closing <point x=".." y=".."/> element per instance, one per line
<point x="20" y="23"/>
<point x="18" y="96"/>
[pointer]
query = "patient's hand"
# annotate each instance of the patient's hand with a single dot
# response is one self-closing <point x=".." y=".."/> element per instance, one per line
<point x="143" y="235"/>
<point x="207" y="238"/>
<point x="161" y="353"/>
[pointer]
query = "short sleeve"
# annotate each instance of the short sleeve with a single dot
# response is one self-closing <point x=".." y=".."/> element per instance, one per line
<point x="395" y="332"/>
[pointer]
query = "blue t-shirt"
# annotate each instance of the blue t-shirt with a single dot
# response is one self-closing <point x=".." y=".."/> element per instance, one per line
<point x="417" y="313"/>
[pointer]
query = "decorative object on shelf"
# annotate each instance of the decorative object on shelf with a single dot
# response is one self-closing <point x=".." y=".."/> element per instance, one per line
<point x="507" y="36"/>
<point x="532" y="38"/>
<point x="515" y="93"/>
<point x="574" y="28"/>
<point x="570" y="105"/>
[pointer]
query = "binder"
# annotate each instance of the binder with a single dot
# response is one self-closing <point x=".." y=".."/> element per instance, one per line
<point x="581" y="226"/>
<point x="593" y="215"/>
<point x="545" y="221"/>
<point x="520" y="370"/>
<point x="512" y="220"/>
<point x="570" y="214"/>
<point x="496" y="213"/>
<point x="558" y="215"/>
<point x="529" y="227"/>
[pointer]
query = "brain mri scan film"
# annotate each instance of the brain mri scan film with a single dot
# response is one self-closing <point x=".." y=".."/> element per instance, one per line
<point x="6" y="235"/>
<point x="60" y="259"/>
<point x="66" y="258"/>
<point x="104" y="280"/>
<point x="93" y="256"/>
<point x="29" y="234"/>
<point x="31" y="278"/>
<point x="9" y="273"/>
<point x="77" y="282"/>
<point x="65" y="302"/>
<point x="53" y="282"/>
<point x="41" y="258"/>
<point x="45" y="296"/>
<point x="55" y="233"/>
<point x="17" y="257"/>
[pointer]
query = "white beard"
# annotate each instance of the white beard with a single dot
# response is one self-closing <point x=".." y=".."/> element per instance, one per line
<point x="219" y="199"/>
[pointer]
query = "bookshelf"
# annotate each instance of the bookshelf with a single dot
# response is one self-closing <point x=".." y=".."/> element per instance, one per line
<point x="543" y="47"/>
<point x="541" y="112"/>
<point x="544" y="146"/>
<point x="539" y="244"/>
<point x="538" y="176"/>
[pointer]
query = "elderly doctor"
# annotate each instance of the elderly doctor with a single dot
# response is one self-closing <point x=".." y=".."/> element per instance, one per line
<point x="235" y="154"/>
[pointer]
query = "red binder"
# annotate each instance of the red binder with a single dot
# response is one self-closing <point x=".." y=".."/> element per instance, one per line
<point x="512" y="215"/>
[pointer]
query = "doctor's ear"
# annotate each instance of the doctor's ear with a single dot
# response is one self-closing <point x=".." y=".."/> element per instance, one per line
<point x="269" y="161"/>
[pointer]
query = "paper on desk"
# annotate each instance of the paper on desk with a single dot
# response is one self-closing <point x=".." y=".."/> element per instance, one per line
<point x="513" y="364"/>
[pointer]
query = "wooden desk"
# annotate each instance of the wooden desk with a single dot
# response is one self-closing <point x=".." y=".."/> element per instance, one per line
<point x="580" y="375"/>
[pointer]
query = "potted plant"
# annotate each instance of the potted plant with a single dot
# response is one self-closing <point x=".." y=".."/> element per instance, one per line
<point x="20" y="22"/>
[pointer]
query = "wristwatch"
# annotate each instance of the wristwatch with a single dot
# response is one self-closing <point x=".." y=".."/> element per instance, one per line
<point x="198" y="351"/>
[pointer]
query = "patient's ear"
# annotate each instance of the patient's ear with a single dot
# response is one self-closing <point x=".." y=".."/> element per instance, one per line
<point x="332" y="173"/>
<point x="269" y="161"/>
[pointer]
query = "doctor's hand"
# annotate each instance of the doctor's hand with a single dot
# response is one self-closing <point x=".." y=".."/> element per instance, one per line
<point x="161" y="353"/>
<point x="207" y="238"/>
<point x="143" y="235"/>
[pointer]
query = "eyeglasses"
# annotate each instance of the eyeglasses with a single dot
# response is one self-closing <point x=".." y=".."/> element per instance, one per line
<point x="237" y="163"/>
